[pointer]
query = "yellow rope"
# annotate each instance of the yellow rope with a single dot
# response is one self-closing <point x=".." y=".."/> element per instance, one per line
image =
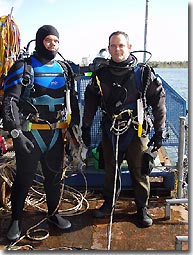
<point x="9" y="44"/>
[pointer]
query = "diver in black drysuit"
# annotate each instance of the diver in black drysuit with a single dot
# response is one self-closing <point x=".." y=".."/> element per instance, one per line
<point x="47" y="101"/>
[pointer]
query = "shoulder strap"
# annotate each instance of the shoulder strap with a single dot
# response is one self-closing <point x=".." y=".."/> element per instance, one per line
<point x="143" y="79"/>
<point x="137" y="71"/>
<point x="68" y="72"/>
<point x="28" y="78"/>
<point x="27" y="73"/>
<point x="64" y="66"/>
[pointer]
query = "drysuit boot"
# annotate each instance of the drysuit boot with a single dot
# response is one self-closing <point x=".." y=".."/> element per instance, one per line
<point x="104" y="210"/>
<point x="14" y="231"/>
<point x="59" y="221"/>
<point x="144" y="217"/>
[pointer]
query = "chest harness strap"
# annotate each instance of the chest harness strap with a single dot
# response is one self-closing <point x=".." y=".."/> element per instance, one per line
<point x="47" y="100"/>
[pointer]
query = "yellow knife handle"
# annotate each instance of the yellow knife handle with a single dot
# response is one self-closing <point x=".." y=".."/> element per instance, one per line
<point x="139" y="130"/>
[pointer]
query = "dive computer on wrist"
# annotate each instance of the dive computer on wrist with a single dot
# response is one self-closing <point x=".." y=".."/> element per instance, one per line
<point x="15" y="133"/>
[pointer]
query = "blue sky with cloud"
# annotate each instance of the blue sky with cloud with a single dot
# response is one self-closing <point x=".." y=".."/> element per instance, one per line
<point x="85" y="25"/>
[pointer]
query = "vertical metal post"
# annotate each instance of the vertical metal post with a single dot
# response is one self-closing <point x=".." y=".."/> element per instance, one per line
<point x="11" y="12"/>
<point x="169" y="202"/>
<point x="179" y="240"/>
<point x="181" y="152"/>
<point x="145" y="31"/>
<point x="167" y="211"/>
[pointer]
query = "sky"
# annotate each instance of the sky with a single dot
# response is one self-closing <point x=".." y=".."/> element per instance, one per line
<point x="84" y="25"/>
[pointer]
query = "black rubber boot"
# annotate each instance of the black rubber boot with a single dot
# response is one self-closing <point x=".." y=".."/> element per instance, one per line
<point x="14" y="231"/>
<point x="144" y="217"/>
<point x="59" y="221"/>
<point x="104" y="210"/>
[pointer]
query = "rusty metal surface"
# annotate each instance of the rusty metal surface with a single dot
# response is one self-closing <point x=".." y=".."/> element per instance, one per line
<point x="88" y="233"/>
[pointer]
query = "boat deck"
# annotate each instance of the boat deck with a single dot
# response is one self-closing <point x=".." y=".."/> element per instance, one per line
<point x="89" y="233"/>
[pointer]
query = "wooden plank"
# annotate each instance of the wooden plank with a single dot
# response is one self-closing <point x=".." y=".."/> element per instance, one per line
<point x="164" y="157"/>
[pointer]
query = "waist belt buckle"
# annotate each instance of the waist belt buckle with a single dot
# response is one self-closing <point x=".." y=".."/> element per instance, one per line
<point x="55" y="125"/>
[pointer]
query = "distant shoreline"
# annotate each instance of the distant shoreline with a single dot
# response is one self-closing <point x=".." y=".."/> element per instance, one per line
<point x="168" y="64"/>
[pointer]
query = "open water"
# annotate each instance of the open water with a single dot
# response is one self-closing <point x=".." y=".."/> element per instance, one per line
<point x="177" y="78"/>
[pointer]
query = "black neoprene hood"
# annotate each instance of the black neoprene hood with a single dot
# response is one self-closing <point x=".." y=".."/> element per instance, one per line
<point x="40" y="35"/>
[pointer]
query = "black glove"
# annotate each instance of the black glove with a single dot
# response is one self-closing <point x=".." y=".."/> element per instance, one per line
<point x="86" y="136"/>
<point x="157" y="139"/>
<point x="148" y="161"/>
<point x="22" y="144"/>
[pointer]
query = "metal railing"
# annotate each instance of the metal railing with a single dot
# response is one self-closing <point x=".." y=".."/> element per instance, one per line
<point x="175" y="104"/>
<point x="176" y="108"/>
<point x="176" y="201"/>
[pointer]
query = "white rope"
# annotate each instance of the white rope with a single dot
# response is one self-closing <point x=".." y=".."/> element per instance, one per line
<point x="114" y="194"/>
<point x="82" y="206"/>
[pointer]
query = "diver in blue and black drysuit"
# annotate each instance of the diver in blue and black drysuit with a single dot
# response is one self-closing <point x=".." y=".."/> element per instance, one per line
<point x="36" y="115"/>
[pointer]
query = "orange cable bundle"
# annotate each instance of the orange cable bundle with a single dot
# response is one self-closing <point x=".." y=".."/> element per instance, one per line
<point x="9" y="45"/>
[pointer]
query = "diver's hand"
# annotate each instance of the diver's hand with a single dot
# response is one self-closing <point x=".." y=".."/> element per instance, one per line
<point x="22" y="144"/>
<point x="157" y="139"/>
